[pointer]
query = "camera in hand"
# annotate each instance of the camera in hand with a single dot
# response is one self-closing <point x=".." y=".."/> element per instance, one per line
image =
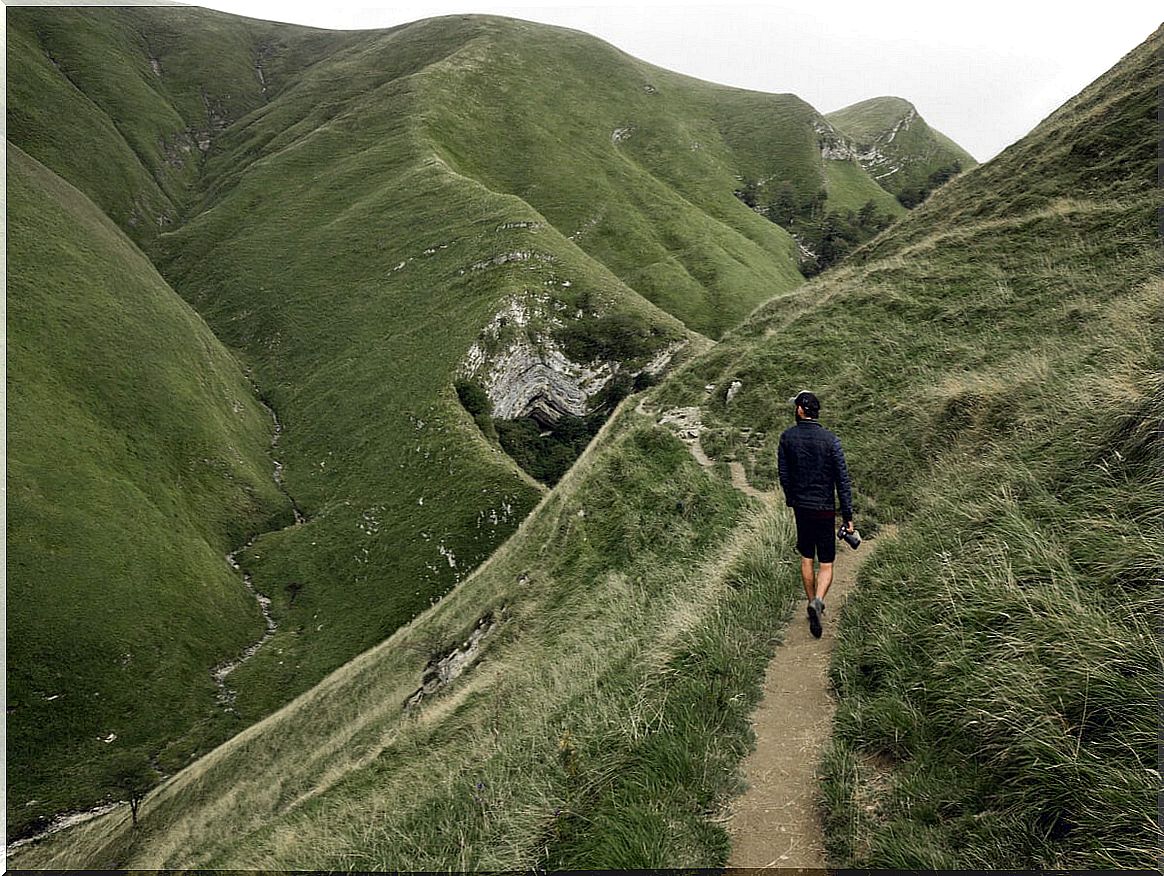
<point x="851" y="537"/>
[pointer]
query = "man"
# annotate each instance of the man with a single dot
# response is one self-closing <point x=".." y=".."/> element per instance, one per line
<point x="812" y="466"/>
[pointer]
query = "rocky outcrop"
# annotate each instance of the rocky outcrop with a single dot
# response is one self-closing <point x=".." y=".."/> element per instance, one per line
<point x="444" y="670"/>
<point x="543" y="384"/>
<point x="878" y="157"/>
<point x="833" y="145"/>
<point x="526" y="372"/>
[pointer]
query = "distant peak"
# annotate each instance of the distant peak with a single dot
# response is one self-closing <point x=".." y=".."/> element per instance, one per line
<point x="885" y="104"/>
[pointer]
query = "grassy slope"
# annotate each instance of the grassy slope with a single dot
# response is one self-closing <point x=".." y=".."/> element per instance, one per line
<point x="635" y="610"/>
<point x="652" y="202"/>
<point x="997" y="667"/>
<point x="136" y="459"/>
<point x="355" y="330"/>
<point x="291" y="252"/>
<point x="355" y="354"/>
<point x="351" y="289"/>
<point x="917" y="150"/>
<point x="84" y="78"/>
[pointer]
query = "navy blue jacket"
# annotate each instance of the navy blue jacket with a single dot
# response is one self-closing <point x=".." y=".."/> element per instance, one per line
<point x="812" y="464"/>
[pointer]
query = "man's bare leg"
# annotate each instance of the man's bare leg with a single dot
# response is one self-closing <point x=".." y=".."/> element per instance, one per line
<point x="807" y="576"/>
<point x="823" y="580"/>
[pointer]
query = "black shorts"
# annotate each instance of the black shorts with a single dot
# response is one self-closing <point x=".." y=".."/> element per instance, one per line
<point x="816" y="534"/>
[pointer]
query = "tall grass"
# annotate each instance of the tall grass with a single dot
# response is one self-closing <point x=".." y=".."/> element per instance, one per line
<point x="992" y="366"/>
<point x="600" y="727"/>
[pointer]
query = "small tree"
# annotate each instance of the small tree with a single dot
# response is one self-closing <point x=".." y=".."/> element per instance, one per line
<point x="131" y="774"/>
<point x="783" y="209"/>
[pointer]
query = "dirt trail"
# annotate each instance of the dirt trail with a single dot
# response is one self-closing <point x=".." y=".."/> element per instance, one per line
<point x="775" y="822"/>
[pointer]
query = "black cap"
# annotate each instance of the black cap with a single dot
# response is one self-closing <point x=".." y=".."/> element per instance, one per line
<point x="806" y="400"/>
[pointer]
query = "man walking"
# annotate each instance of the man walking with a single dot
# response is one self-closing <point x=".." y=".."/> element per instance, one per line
<point x="812" y="466"/>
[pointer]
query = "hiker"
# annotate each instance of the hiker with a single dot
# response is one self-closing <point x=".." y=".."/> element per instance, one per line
<point x="812" y="465"/>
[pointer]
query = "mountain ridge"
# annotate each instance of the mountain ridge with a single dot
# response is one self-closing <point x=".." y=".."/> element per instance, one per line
<point x="403" y="264"/>
<point x="910" y="173"/>
<point x="628" y="620"/>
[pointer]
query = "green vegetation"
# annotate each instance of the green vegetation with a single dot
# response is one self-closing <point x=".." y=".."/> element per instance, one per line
<point x="989" y="361"/>
<point x="475" y="400"/>
<point x="344" y="211"/>
<point x="634" y="617"/>
<point x="132" y="777"/>
<point x="547" y="454"/>
<point x="150" y="89"/>
<point x="902" y="153"/>
<point x="994" y="379"/>
<point x="911" y="196"/>
<point x="830" y="237"/>
<point x="830" y="221"/>
<point x="612" y="337"/>
<point x="137" y="457"/>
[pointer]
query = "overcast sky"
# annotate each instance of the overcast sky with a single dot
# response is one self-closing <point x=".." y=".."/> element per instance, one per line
<point x="983" y="72"/>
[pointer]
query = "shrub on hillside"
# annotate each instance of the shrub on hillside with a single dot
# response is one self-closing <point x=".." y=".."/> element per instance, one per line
<point x="547" y="454"/>
<point x="911" y="196"/>
<point x="475" y="400"/>
<point x="612" y="337"/>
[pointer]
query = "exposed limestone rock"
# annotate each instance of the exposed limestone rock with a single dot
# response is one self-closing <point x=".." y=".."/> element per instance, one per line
<point x="525" y="372"/>
<point x="501" y="259"/>
<point x="687" y="423"/>
<point x="662" y="359"/>
<point x="684" y="420"/>
<point x="732" y="390"/>
<point x="442" y="671"/>
<point x="531" y="226"/>
<point x="833" y="145"/>
<point x="543" y="384"/>
<point x="806" y="254"/>
<point x="873" y="157"/>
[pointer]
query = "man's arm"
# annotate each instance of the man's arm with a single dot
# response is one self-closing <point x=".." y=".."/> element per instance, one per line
<point x="782" y="465"/>
<point x="844" y="485"/>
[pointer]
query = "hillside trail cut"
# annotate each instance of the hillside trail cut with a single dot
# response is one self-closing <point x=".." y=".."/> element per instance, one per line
<point x="775" y="822"/>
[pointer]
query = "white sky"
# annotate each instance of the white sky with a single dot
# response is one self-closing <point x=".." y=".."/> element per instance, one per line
<point x="983" y="72"/>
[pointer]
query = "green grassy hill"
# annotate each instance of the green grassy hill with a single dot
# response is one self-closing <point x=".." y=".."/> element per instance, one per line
<point x="898" y="149"/>
<point x="137" y="457"/>
<point x="125" y="103"/>
<point x="346" y="212"/>
<point x="991" y="364"/>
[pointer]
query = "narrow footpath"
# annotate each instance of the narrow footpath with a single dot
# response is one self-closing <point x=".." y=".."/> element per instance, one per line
<point x="775" y="822"/>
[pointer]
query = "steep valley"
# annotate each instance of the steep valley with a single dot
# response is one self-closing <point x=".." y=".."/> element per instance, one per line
<point x="407" y="239"/>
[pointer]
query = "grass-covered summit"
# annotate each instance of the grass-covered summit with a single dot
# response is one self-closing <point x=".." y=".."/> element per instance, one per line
<point x="363" y="222"/>
<point x="896" y="146"/>
<point x="991" y="364"/>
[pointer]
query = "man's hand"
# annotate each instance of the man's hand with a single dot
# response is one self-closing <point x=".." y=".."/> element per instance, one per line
<point x="848" y="525"/>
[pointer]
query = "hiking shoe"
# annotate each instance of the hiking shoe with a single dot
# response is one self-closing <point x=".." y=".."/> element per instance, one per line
<point x="814" y="618"/>
<point x="820" y="606"/>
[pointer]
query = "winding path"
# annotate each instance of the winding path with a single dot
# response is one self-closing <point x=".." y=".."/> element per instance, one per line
<point x="775" y="823"/>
